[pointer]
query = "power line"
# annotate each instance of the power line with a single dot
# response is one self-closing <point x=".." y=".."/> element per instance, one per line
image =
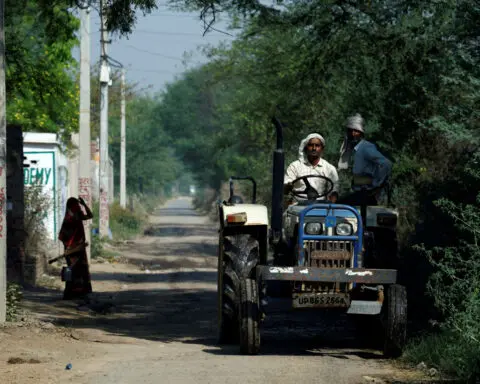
<point x="163" y="71"/>
<point x="174" y="15"/>
<point x="169" y="33"/>
<point x="153" y="53"/>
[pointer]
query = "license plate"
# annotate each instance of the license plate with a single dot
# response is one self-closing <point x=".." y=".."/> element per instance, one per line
<point x="320" y="300"/>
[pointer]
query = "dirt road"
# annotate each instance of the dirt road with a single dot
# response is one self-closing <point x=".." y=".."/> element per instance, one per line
<point x="155" y="322"/>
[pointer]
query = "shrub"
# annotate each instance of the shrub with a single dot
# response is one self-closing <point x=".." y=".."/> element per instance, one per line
<point x="124" y="223"/>
<point x="14" y="296"/>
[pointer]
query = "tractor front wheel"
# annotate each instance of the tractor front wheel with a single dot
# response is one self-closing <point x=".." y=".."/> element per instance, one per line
<point x="249" y="317"/>
<point x="395" y="320"/>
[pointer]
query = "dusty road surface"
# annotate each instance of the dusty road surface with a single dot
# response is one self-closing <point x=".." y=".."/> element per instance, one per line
<point x="154" y="321"/>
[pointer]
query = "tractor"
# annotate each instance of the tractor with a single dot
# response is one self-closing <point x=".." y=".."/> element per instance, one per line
<point x="323" y="256"/>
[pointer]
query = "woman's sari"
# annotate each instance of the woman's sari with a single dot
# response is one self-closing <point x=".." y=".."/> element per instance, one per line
<point x="72" y="235"/>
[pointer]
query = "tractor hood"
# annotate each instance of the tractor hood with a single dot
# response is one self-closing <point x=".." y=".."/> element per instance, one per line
<point x="320" y="212"/>
<point x="377" y="216"/>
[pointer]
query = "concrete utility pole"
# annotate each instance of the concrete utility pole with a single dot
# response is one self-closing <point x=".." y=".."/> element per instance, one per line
<point x="123" y="174"/>
<point x="104" y="163"/>
<point x="84" y="170"/>
<point x="3" y="172"/>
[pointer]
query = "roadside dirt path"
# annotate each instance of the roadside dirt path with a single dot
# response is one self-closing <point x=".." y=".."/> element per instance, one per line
<point x="154" y="321"/>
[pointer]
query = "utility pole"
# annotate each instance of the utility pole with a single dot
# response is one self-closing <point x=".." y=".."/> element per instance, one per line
<point x="104" y="163"/>
<point x="84" y="173"/>
<point x="123" y="174"/>
<point x="3" y="172"/>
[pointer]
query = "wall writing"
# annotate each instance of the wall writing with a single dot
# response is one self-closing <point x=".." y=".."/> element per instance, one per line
<point x="38" y="176"/>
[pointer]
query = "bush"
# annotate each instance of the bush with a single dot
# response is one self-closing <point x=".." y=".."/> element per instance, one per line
<point x="150" y="202"/>
<point x="37" y="204"/>
<point x="124" y="223"/>
<point x="449" y="351"/>
<point x="454" y="286"/>
<point x="14" y="296"/>
<point x="97" y="247"/>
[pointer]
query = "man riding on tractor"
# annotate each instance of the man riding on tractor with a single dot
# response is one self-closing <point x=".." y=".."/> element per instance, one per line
<point x="371" y="170"/>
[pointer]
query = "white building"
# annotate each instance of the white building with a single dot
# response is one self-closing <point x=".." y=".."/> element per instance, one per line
<point x="48" y="166"/>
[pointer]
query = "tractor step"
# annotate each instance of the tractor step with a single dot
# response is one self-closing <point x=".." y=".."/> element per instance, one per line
<point x="363" y="307"/>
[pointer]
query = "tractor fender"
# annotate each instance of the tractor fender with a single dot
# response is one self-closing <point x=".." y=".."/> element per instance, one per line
<point x="256" y="214"/>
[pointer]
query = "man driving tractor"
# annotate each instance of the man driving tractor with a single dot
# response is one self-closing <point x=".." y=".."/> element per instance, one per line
<point x="310" y="162"/>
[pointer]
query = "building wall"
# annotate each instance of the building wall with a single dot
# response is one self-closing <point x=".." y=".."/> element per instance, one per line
<point x="47" y="166"/>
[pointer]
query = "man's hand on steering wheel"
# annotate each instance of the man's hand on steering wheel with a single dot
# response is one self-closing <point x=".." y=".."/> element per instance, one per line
<point x="310" y="192"/>
<point x="333" y="197"/>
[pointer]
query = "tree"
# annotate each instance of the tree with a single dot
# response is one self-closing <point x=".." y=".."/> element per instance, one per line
<point x="41" y="89"/>
<point x="150" y="155"/>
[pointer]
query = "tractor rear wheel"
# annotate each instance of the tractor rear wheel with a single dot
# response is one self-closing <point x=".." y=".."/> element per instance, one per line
<point x="238" y="253"/>
<point x="394" y="317"/>
<point x="249" y="317"/>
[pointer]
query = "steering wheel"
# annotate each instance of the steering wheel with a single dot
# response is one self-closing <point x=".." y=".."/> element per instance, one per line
<point x="310" y="192"/>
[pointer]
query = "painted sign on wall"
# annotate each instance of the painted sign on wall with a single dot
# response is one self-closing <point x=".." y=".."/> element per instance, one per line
<point x="37" y="176"/>
<point x="42" y="171"/>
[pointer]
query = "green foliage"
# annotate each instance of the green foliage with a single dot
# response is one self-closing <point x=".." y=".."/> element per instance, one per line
<point x="36" y="204"/>
<point x="454" y="285"/>
<point x="448" y="351"/>
<point x="151" y="158"/>
<point x="150" y="203"/>
<point x="40" y="78"/>
<point x="124" y="223"/>
<point x="121" y="14"/>
<point x="97" y="248"/>
<point x="14" y="297"/>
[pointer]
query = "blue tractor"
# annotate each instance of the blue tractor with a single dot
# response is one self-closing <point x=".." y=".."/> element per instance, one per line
<point x="324" y="256"/>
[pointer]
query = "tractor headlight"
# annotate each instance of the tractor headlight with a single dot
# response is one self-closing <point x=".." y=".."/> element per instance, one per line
<point x="344" y="229"/>
<point x="313" y="228"/>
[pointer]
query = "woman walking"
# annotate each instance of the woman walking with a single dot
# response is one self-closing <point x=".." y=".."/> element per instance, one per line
<point x="72" y="235"/>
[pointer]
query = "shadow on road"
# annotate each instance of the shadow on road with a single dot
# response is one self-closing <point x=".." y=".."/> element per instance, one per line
<point x="136" y="278"/>
<point x="189" y="316"/>
<point x="190" y="249"/>
<point x="169" y="230"/>
<point x="176" y="212"/>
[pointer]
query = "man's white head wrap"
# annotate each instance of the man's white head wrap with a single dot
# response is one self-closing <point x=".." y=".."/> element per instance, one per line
<point x="303" y="144"/>
<point x="357" y="123"/>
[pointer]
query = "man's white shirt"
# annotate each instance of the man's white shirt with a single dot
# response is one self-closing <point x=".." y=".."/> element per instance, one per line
<point x="300" y="168"/>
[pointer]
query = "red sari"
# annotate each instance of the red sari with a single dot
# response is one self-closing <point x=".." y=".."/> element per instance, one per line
<point x="72" y="235"/>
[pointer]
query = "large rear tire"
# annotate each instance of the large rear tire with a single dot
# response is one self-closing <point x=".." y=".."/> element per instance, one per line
<point x="238" y="253"/>
<point x="249" y="318"/>
<point x="227" y="306"/>
<point x="395" y="321"/>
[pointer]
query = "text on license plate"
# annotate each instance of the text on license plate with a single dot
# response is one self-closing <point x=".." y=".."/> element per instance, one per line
<point x="319" y="300"/>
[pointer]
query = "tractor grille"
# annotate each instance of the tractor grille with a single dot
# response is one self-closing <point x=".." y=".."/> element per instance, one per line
<point x="327" y="254"/>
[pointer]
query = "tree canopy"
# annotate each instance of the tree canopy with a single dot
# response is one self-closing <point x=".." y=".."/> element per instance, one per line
<point x="41" y="72"/>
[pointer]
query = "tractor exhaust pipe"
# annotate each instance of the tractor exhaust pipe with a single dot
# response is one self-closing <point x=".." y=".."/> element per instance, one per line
<point x="277" y="185"/>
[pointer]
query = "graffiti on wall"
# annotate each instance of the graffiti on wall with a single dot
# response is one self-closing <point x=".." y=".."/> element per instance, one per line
<point x="2" y="210"/>
<point x="104" y="212"/>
